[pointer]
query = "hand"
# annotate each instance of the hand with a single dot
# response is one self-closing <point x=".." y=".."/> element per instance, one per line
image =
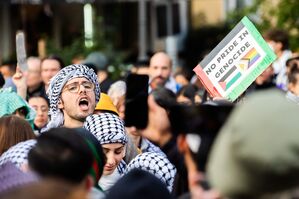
<point x="20" y="80"/>
<point x="197" y="191"/>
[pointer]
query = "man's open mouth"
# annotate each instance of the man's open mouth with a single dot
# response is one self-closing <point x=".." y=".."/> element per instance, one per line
<point x="83" y="103"/>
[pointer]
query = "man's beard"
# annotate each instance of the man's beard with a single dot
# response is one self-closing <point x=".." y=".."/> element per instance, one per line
<point x="158" y="81"/>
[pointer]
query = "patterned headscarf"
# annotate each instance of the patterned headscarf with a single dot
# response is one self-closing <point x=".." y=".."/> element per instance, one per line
<point x="57" y="83"/>
<point x="156" y="164"/>
<point x="18" y="154"/>
<point x="107" y="128"/>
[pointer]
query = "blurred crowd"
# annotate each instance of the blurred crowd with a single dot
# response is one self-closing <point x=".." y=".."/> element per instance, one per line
<point x="72" y="132"/>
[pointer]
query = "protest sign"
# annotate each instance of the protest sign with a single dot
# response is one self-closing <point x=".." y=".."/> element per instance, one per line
<point x="235" y="62"/>
<point x="21" y="51"/>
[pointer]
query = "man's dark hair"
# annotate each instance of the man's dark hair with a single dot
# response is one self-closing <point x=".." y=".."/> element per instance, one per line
<point x="292" y="76"/>
<point x="61" y="153"/>
<point x="278" y="35"/>
<point x="164" y="98"/>
<point x="57" y="58"/>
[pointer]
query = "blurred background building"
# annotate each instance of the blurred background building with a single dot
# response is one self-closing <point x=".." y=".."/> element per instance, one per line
<point x="137" y="27"/>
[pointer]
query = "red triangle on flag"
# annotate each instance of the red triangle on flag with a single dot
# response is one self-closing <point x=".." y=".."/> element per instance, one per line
<point x="223" y="85"/>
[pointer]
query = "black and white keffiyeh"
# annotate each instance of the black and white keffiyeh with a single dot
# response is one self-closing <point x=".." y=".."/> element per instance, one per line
<point x="156" y="164"/>
<point x="18" y="154"/>
<point x="107" y="128"/>
<point x="57" y="83"/>
<point x="121" y="168"/>
<point x="147" y="146"/>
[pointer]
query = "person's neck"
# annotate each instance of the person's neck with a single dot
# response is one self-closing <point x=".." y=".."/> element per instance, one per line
<point x="46" y="87"/>
<point x="71" y="123"/>
<point x="165" y="139"/>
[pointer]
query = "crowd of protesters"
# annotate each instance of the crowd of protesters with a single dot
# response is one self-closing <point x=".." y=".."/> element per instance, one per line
<point x="64" y="132"/>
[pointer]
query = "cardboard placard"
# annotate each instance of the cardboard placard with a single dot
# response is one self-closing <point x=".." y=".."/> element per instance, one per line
<point x="229" y="69"/>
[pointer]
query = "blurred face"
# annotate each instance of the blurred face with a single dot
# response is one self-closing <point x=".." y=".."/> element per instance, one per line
<point x="158" y="121"/>
<point x="102" y="75"/>
<point x="34" y="73"/>
<point x="4" y="69"/>
<point x="120" y="106"/>
<point x="114" y="153"/>
<point x="77" y="99"/>
<point x="49" y="67"/>
<point x="41" y="107"/>
<point x="160" y="68"/>
<point x="275" y="46"/>
<point x="181" y="79"/>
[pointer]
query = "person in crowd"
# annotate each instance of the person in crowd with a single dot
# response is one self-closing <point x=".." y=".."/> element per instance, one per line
<point x="100" y="61"/>
<point x="35" y="85"/>
<point x="105" y="105"/>
<point x="98" y="163"/>
<point x="263" y="81"/>
<point x="143" y="145"/>
<point x="158" y="131"/>
<point x="8" y="69"/>
<point x="12" y="103"/>
<point x="160" y="69"/>
<point x="41" y="105"/>
<point x="117" y="93"/>
<point x="139" y="184"/>
<point x="110" y="131"/>
<point x="181" y="77"/>
<point x="73" y="94"/>
<point x="196" y="127"/>
<point x="155" y="164"/>
<point x="279" y="41"/>
<point x="13" y="130"/>
<point x="70" y="155"/>
<point x="293" y="84"/>
<point x="290" y="63"/>
<point x="188" y="94"/>
<point x="18" y="154"/>
<point x="250" y="161"/>
<point x="50" y="66"/>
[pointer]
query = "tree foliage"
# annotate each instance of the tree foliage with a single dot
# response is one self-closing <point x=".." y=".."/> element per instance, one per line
<point x="267" y="14"/>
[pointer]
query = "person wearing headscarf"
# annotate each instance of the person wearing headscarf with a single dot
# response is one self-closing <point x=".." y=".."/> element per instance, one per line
<point x="157" y="165"/>
<point x="110" y="131"/>
<point x="12" y="103"/>
<point x="18" y="154"/>
<point x="73" y="94"/>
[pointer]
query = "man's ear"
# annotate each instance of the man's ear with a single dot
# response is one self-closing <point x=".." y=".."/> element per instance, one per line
<point x="60" y="104"/>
